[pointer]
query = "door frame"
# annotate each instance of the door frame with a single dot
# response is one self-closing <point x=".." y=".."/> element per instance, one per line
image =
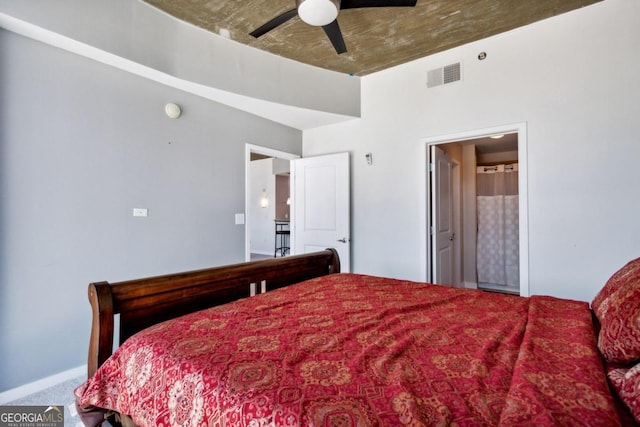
<point x="523" y="199"/>
<point x="250" y="148"/>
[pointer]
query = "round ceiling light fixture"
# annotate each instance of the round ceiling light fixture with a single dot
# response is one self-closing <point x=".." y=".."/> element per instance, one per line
<point x="318" y="12"/>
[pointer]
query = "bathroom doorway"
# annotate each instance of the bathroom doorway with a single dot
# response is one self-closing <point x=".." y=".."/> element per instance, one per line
<point x="488" y="233"/>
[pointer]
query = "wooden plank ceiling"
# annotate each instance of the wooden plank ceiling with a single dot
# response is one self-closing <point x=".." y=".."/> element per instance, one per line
<point x="376" y="38"/>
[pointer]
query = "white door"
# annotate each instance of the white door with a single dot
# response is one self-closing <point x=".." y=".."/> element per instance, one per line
<point x="320" y="206"/>
<point x="442" y="234"/>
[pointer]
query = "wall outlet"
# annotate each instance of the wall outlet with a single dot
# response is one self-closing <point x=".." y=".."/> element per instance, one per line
<point x="140" y="212"/>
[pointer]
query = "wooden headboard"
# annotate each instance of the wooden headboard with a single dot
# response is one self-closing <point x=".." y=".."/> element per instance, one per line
<point x="145" y="302"/>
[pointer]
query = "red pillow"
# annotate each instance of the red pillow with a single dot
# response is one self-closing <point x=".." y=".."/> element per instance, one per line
<point x="617" y="307"/>
<point x="626" y="383"/>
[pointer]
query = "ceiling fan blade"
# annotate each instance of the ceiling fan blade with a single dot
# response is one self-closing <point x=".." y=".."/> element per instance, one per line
<point x="335" y="35"/>
<point x="354" y="4"/>
<point x="275" y="22"/>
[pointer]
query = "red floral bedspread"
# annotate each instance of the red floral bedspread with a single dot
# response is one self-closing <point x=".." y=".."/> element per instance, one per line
<point x="354" y="350"/>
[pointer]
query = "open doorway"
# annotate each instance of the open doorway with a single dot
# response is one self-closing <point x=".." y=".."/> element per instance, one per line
<point x="460" y="250"/>
<point x="267" y="195"/>
<point x="320" y="203"/>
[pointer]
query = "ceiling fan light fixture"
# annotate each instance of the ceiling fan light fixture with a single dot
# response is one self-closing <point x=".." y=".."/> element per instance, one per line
<point x="318" y="12"/>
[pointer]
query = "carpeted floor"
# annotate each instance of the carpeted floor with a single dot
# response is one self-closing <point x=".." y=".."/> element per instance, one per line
<point x="257" y="257"/>
<point x="61" y="394"/>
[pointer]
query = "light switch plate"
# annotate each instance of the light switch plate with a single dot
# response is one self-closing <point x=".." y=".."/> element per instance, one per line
<point x="140" y="212"/>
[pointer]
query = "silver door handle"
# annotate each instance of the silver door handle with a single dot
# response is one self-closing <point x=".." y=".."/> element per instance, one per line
<point x="343" y="240"/>
<point x="453" y="236"/>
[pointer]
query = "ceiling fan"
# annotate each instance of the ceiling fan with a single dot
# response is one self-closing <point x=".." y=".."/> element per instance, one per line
<point x="324" y="13"/>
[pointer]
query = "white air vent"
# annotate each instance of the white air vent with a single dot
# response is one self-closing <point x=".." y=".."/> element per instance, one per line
<point x="447" y="74"/>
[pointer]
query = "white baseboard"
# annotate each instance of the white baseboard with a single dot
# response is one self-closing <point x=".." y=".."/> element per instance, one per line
<point x="41" y="384"/>
<point x="471" y="285"/>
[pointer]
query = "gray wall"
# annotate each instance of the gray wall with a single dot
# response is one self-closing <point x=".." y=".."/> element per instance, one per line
<point x="81" y="145"/>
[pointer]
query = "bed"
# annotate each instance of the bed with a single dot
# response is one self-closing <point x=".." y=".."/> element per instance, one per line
<point x="293" y="342"/>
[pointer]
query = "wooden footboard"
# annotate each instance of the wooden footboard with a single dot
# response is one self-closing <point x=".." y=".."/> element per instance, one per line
<point x="145" y="302"/>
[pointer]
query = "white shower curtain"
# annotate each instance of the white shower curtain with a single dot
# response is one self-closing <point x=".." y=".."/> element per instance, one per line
<point x="498" y="237"/>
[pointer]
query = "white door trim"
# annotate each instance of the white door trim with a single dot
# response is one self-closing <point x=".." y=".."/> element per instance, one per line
<point x="521" y="129"/>
<point x="250" y="148"/>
